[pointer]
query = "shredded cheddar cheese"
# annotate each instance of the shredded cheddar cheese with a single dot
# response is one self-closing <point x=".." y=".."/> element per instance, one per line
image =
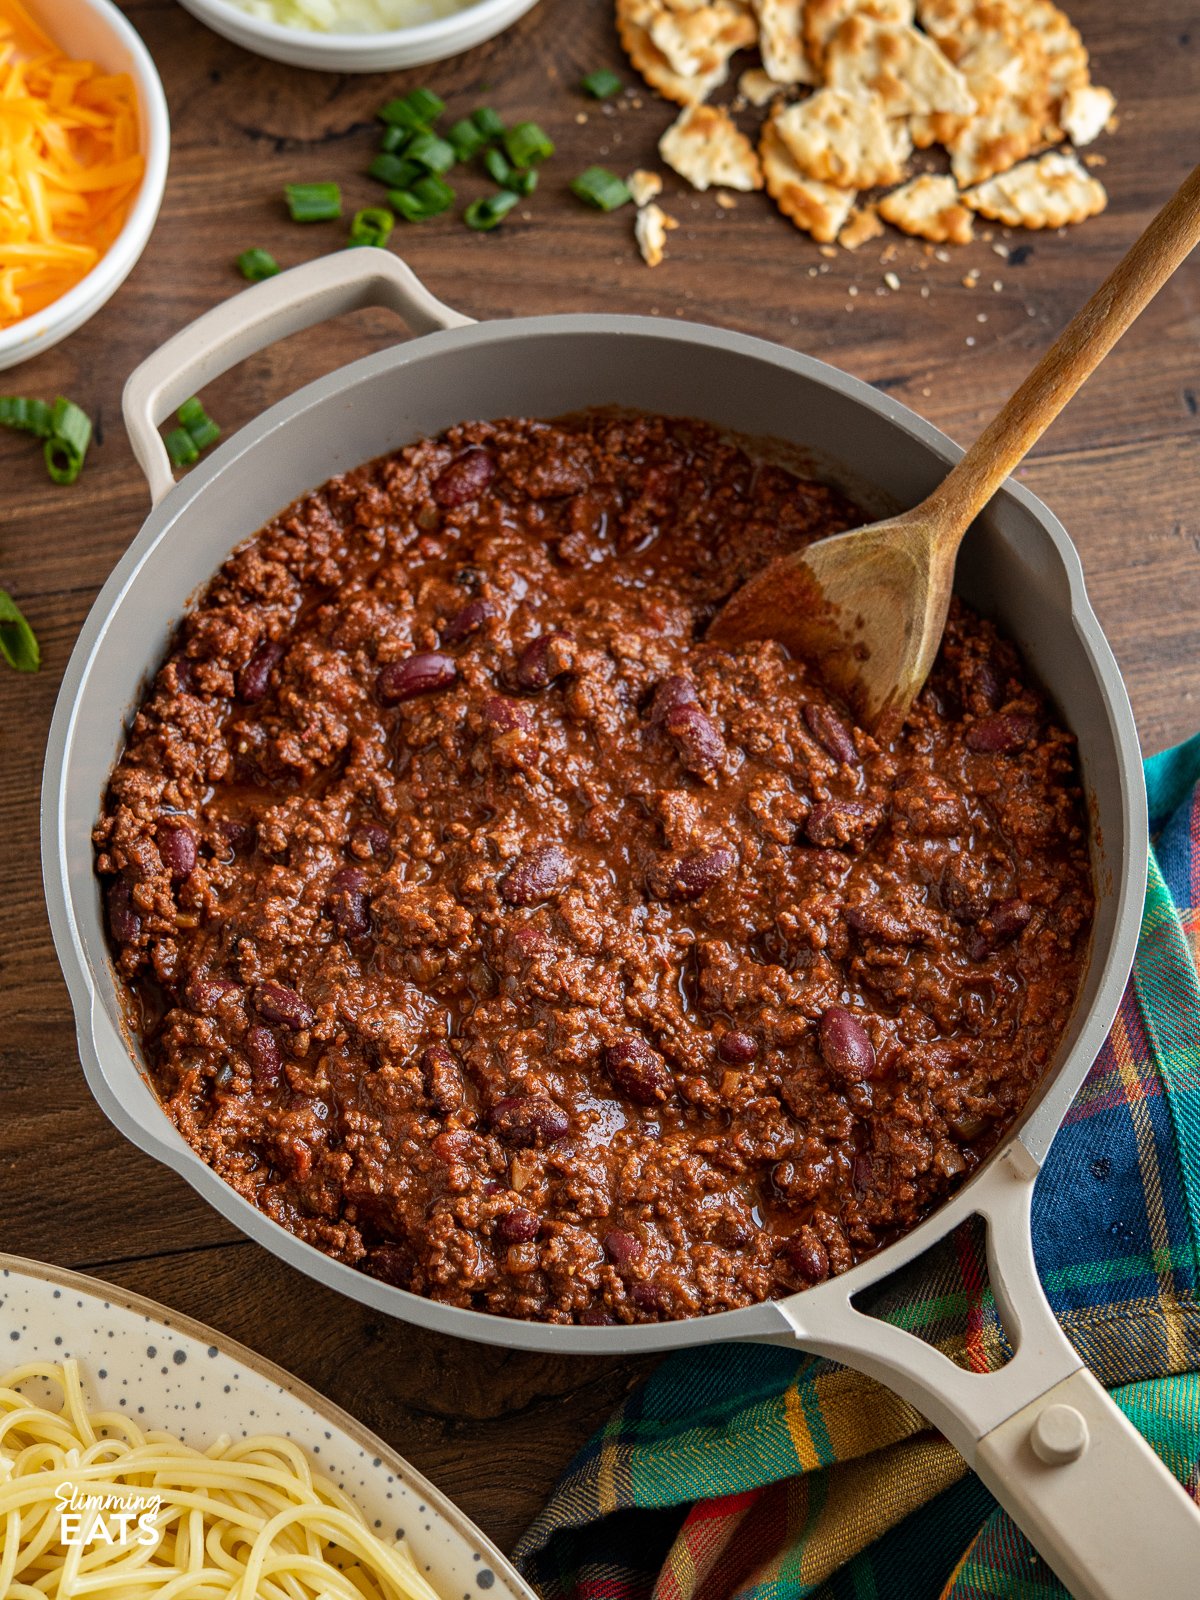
<point x="69" y="164"/>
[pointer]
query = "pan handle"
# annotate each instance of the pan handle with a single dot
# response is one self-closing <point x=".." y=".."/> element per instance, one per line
<point x="1047" y="1440"/>
<point x="257" y="317"/>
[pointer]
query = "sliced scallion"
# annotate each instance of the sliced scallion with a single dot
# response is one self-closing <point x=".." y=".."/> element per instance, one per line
<point x="489" y="122"/>
<point x="488" y="213"/>
<point x="601" y="84"/>
<point x="313" y="202"/>
<point x="26" y="416"/>
<point x="428" y="197"/>
<point x="203" y="430"/>
<point x="18" y="643"/>
<point x="599" y="187"/>
<point x="497" y="167"/>
<point x="255" y="265"/>
<point x="372" y="226"/>
<point x="430" y="152"/>
<point x="181" y="447"/>
<point x="466" y="138"/>
<point x="66" y="446"/>
<point x="527" y="145"/>
<point x="394" y="138"/>
<point x="523" y="183"/>
<point x="427" y="105"/>
<point x="397" y="172"/>
<point x="416" y="110"/>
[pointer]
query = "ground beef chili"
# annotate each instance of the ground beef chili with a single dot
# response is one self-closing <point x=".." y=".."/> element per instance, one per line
<point x="494" y="934"/>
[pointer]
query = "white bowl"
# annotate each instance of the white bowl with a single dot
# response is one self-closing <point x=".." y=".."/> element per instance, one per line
<point x="189" y="1379"/>
<point x="361" y="52"/>
<point x="94" y="30"/>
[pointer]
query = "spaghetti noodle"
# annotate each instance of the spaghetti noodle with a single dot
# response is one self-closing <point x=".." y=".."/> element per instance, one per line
<point x="90" y="1505"/>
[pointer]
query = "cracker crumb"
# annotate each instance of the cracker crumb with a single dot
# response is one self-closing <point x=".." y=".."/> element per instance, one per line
<point x="852" y="291"/>
<point x="1001" y="250"/>
<point x="892" y="281"/>
<point x="727" y="202"/>
<point x="828" y="250"/>
<point x="924" y="291"/>
<point x="581" y="117"/>
<point x="997" y="286"/>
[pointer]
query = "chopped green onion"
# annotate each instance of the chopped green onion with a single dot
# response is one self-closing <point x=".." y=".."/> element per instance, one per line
<point x="181" y="447"/>
<point x="66" y="446"/>
<point x="372" y="226"/>
<point x="497" y="167"/>
<point x="488" y="213"/>
<point x="601" y="84"/>
<point x="313" y="202"/>
<point x="394" y="138"/>
<point x="198" y="424"/>
<point x="18" y="644"/>
<point x="427" y="105"/>
<point x="527" y="145"/>
<point x="26" y="416"/>
<point x="432" y="153"/>
<point x="600" y="188"/>
<point x="523" y="182"/>
<point x="397" y="172"/>
<point x="414" y="111"/>
<point x="490" y="125"/>
<point x="429" y="197"/>
<point x="466" y="138"/>
<point x="255" y="265"/>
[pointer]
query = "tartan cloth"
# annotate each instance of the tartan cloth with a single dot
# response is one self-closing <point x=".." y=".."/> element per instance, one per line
<point x="756" y="1472"/>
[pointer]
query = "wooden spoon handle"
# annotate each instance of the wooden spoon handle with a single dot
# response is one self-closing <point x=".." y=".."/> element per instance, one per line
<point x="1073" y="356"/>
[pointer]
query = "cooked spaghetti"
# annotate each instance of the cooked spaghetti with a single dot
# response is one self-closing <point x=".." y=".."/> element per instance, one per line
<point x="70" y="164"/>
<point x="92" y="1505"/>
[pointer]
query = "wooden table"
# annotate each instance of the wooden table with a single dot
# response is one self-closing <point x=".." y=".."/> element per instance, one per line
<point x="1121" y="468"/>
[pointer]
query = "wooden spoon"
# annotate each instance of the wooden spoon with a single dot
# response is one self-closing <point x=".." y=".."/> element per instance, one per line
<point x="868" y="607"/>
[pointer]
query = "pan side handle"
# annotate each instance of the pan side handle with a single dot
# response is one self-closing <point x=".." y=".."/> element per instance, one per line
<point x="257" y="317"/>
<point x="1056" y="1451"/>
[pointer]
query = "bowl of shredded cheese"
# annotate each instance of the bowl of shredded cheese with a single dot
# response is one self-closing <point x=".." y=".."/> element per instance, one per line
<point x="84" y="144"/>
<point x="358" y="35"/>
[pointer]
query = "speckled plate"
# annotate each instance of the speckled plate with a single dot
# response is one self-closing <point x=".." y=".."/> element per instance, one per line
<point x="177" y="1374"/>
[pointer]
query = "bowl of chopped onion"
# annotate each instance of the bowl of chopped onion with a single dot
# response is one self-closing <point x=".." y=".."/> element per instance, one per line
<point x="358" y="35"/>
<point x="84" y="144"/>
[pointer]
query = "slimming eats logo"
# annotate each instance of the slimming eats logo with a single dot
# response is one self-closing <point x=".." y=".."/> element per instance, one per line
<point x="111" y="1519"/>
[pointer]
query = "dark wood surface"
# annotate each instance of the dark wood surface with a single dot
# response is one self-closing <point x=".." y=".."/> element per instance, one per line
<point x="1121" y="467"/>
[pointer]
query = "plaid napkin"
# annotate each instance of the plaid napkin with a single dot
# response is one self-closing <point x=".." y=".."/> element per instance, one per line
<point x="752" y="1471"/>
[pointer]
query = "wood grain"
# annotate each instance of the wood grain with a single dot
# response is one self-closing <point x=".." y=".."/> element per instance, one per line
<point x="1120" y="467"/>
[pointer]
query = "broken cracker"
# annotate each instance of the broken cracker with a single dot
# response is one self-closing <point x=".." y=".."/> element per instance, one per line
<point x="1085" y="112"/>
<point x="650" y="228"/>
<point x="995" y="141"/>
<point x="929" y="208"/>
<point x="1050" y="192"/>
<point x="961" y="26"/>
<point x="905" y="68"/>
<point x="758" y="87"/>
<point x="863" y="226"/>
<point x="822" y="19"/>
<point x="818" y="208"/>
<point x="841" y="138"/>
<point x="705" y="146"/>
<point x="698" y="40"/>
<point x="643" y="186"/>
<point x="781" y="40"/>
<point x="653" y="65"/>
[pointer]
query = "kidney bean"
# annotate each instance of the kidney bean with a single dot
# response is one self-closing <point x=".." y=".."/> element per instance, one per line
<point x="283" y="1006"/>
<point x="184" y="676"/>
<point x="596" y="1317"/>
<point x="828" y="729"/>
<point x="443" y="1078"/>
<point x="671" y="695"/>
<point x="841" y="824"/>
<point x="988" y="683"/>
<point x="177" y="847"/>
<point x="861" y="1172"/>
<point x="962" y="890"/>
<point x="506" y="716"/>
<point x="880" y="923"/>
<point x="845" y="1048"/>
<point x="255" y="676"/>
<point x="1006" y="921"/>
<point x="123" y="920"/>
<point x="544" y="659"/>
<point x="1000" y="735"/>
<point x="528" y="1119"/>
<point x="638" y="1070"/>
<point x="239" y="836"/>
<point x="695" y="874"/>
<point x="348" y="902"/>
<point x="696" y="737"/>
<point x="371" y="839"/>
<point x="468" y="621"/>
<point x="737" y="1048"/>
<point x="424" y="673"/>
<point x="518" y="1226"/>
<point x="452" y="1145"/>
<point x="204" y="993"/>
<point x="536" y="876"/>
<point x="266" y="1062"/>
<point x="649" y="1296"/>
<point x="622" y="1248"/>
<point x="464" y="479"/>
<point x="391" y="1263"/>
<point x="806" y="1255"/>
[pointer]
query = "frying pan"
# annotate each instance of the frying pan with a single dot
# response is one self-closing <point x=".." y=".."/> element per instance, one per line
<point x="1041" y="1432"/>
